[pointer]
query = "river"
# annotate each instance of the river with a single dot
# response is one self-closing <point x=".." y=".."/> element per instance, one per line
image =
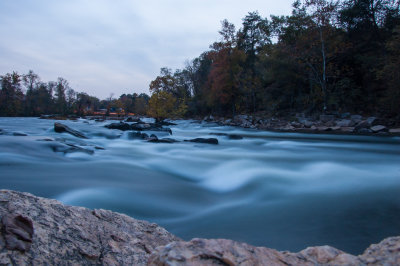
<point x="281" y="190"/>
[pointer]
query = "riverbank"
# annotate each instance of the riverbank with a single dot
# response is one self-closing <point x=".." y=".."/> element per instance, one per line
<point x="324" y="124"/>
<point x="41" y="231"/>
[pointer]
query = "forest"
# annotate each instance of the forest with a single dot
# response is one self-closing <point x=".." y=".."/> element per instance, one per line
<point x="326" y="57"/>
<point x="27" y="95"/>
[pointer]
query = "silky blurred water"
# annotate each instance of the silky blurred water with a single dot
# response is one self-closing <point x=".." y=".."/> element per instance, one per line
<point x="282" y="190"/>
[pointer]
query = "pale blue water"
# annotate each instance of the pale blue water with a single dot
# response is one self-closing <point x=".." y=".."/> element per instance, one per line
<point x="282" y="190"/>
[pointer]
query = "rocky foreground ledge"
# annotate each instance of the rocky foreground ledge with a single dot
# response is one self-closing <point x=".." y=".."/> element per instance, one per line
<point x="39" y="231"/>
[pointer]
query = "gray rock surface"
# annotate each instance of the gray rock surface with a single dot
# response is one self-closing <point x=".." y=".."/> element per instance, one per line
<point x="38" y="231"/>
<point x="228" y="252"/>
<point x="378" y="128"/>
<point x="60" y="128"/>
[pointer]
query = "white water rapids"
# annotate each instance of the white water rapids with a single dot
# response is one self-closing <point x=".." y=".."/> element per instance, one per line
<point x="282" y="190"/>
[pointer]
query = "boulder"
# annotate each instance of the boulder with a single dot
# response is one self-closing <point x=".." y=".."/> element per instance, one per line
<point x="363" y="130"/>
<point x="137" y="135"/>
<point x="361" y="125"/>
<point x="345" y="123"/>
<point x="326" y="118"/>
<point x="152" y="138"/>
<point x="356" y="118"/>
<point x="371" y="120"/>
<point x="19" y="134"/>
<point x="163" y="140"/>
<point x="203" y="140"/>
<point x="331" y="123"/>
<point x="120" y="126"/>
<point x="234" y="137"/>
<point x="38" y="231"/>
<point x="132" y="119"/>
<point x="60" y="128"/>
<point x="323" y="128"/>
<point x="347" y="129"/>
<point x="307" y="123"/>
<point x="378" y="128"/>
<point x="394" y="130"/>
<point x="243" y="120"/>
<point x="228" y="252"/>
<point x="69" y="148"/>
<point x="165" y="123"/>
<point x="141" y="126"/>
<point x="138" y="127"/>
<point x="296" y="124"/>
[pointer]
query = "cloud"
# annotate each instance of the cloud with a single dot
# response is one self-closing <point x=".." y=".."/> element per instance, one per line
<point x="104" y="46"/>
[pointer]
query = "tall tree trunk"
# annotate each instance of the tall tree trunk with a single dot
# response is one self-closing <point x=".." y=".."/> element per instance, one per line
<point x="323" y="81"/>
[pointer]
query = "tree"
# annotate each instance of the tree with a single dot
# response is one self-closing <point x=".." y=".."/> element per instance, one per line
<point x="390" y="75"/>
<point x="323" y="13"/>
<point x="61" y="103"/>
<point x="163" y="104"/>
<point x="141" y="104"/>
<point x="11" y="95"/>
<point x="31" y="82"/>
<point x="254" y="35"/>
<point x="224" y="77"/>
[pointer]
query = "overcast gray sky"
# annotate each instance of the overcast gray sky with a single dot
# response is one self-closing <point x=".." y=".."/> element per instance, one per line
<point x="114" y="46"/>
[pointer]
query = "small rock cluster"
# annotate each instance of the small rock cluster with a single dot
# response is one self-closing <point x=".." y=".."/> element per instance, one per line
<point x="39" y="231"/>
<point x="346" y="124"/>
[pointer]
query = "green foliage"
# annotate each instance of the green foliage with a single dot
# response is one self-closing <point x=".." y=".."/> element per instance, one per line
<point x="163" y="104"/>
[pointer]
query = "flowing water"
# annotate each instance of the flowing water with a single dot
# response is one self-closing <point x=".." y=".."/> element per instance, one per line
<point x="282" y="190"/>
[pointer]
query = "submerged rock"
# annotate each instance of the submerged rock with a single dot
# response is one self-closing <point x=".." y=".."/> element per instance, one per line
<point x="138" y="127"/>
<point x="19" y="134"/>
<point x="120" y="126"/>
<point x="60" y="128"/>
<point x="229" y="136"/>
<point x="70" y="148"/>
<point x="203" y="140"/>
<point x="163" y="140"/>
<point x="137" y="135"/>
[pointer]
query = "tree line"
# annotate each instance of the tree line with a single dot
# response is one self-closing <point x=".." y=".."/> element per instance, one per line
<point x="327" y="56"/>
<point x="27" y="95"/>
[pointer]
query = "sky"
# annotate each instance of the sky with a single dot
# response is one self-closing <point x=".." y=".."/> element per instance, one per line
<point x="114" y="46"/>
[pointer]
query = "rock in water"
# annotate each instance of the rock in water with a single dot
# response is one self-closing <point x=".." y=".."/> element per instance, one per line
<point x="120" y="126"/>
<point x="38" y="231"/>
<point x="206" y="141"/>
<point x="378" y="128"/>
<point x="60" y="128"/>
